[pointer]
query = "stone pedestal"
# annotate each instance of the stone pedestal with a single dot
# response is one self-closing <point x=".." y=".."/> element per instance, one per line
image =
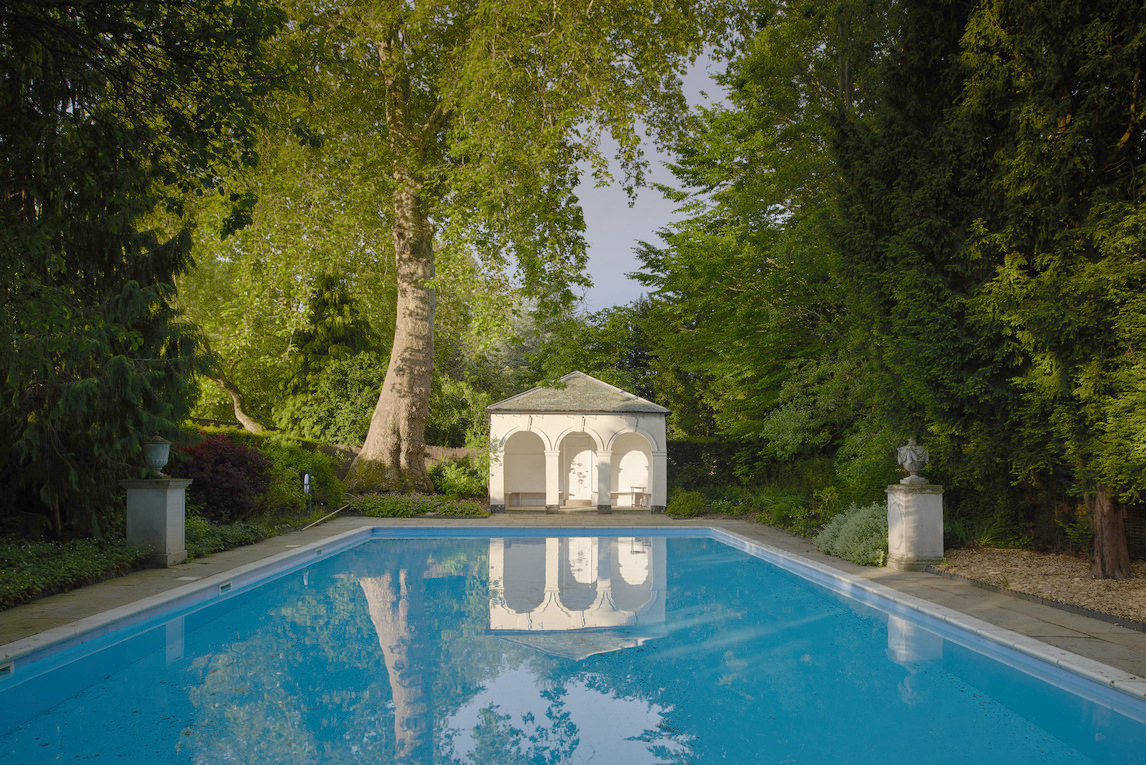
<point x="914" y="525"/>
<point x="156" y="516"/>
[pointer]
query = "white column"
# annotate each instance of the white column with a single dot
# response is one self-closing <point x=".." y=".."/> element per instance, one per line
<point x="497" y="478"/>
<point x="552" y="481"/>
<point x="604" y="482"/>
<point x="658" y="480"/>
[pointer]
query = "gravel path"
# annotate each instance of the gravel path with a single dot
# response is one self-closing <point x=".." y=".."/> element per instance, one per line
<point x="1063" y="578"/>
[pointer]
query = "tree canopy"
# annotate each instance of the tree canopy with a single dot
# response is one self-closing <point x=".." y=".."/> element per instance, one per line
<point x="109" y="111"/>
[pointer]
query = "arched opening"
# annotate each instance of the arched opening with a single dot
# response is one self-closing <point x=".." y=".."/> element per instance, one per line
<point x="632" y="577"/>
<point x="631" y="481"/>
<point x="524" y="470"/>
<point x="524" y="564"/>
<point x="578" y="466"/>
<point x="578" y="572"/>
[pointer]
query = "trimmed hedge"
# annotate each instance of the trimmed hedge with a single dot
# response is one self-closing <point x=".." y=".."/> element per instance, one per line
<point x="858" y="534"/>
<point x="413" y="506"/>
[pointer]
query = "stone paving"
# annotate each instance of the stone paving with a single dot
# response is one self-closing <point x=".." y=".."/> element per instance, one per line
<point x="1118" y="647"/>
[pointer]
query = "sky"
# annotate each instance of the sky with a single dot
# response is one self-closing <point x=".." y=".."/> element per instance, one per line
<point x="613" y="229"/>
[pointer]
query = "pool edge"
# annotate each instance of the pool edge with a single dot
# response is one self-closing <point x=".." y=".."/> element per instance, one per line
<point x="35" y="648"/>
<point x="1090" y="669"/>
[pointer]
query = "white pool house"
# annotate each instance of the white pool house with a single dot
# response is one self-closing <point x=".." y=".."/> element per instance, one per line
<point x="577" y="445"/>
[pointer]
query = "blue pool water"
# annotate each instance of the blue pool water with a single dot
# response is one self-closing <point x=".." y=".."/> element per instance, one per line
<point x="646" y="649"/>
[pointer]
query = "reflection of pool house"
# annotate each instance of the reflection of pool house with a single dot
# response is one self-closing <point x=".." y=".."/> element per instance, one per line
<point x="577" y="596"/>
<point x="580" y="444"/>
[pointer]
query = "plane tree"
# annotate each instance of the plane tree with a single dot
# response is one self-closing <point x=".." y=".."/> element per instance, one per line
<point x="487" y="116"/>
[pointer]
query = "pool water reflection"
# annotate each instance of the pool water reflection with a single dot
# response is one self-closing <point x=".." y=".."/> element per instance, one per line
<point x="563" y="649"/>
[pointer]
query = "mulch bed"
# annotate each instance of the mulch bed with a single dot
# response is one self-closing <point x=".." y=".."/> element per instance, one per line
<point x="1056" y="578"/>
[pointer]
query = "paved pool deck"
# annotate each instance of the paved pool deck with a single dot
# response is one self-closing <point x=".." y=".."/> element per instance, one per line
<point x="1118" y="647"/>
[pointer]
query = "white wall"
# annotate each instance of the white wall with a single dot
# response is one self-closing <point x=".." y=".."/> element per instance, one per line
<point x="631" y="446"/>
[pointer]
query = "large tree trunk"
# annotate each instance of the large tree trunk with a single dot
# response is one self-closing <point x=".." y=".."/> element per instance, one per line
<point x="397" y="609"/>
<point x="393" y="457"/>
<point x="1111" y="554"/>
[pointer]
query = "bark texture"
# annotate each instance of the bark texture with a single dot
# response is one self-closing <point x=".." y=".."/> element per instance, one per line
<point x="393" y="456"/>
<point x="396" y="603"/>
<point x="1111" y="553"/>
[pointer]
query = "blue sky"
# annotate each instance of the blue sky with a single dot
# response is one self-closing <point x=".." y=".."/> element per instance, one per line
<point x="614" y="228"/>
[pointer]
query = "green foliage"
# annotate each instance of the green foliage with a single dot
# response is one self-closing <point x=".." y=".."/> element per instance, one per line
<point x="462" y="476"/>
<point x="109" y="113"/>
<point x="700" y="464"/>
<point x="240" y="475"/>
<point x="415" y="506"/>
<point x="858" y="534"/>
<point x="785" y="511"/>
<point x="337" y="408"/>
<point x="686" y="504"/>
<point x="290" y="459"/>
<point x="204" y="537"/>
<point x="1078" y="529"/>
<point x="32" y="569"/>
<point x="996" y="529"/>
<point x="457" y="414"/>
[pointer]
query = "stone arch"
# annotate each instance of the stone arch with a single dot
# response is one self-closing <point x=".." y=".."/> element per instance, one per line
<point x="653" y="442"/>
<point x="523" y="559"/>
<point x="537" y="429"/>
<point x="523" y="468"/>
<point x="632" y="574"/>
<point x="577" y="466"/>
<point x="632" y="475"/>
<point x="578" y="572"/>
<point x="598" y="442"/>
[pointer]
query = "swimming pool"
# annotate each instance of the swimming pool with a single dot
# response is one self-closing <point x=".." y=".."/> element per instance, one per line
<point x="530" y="646"/>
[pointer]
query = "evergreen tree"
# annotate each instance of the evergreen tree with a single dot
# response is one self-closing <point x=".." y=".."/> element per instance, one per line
<point x="1064" y="82"/>
<point x="108" y="111"/>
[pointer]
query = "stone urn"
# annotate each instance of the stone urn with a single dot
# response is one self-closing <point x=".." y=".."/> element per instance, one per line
<point x="156" y="452"/>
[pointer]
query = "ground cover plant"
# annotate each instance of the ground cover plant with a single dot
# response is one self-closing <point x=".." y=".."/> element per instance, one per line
<point x="30" y="569"/>
<point x="204" y="537"/>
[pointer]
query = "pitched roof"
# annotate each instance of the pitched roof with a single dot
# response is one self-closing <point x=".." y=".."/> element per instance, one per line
<point x="577" y="392"/>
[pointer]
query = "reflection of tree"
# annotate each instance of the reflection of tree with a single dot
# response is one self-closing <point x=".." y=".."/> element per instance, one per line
<point x="397" y="608"/>
<point x="497" y="739"/>
<point x="293" y="688"/>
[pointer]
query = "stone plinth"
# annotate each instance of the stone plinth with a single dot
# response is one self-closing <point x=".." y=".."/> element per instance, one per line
<point x="914" y="525"/>
<point x="156" y="516"/>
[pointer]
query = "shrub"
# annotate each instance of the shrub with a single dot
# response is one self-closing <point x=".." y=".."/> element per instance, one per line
<point x="461" y="476"/>
<point x="31" y="569"/>
<point x="412" y="506"/>
<point x="686" y="504"/>
<point x="204" y="537"/>
<point x="858" y="534"/>
<point x="227" y="477"/>
<point x="290" y="459"/>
